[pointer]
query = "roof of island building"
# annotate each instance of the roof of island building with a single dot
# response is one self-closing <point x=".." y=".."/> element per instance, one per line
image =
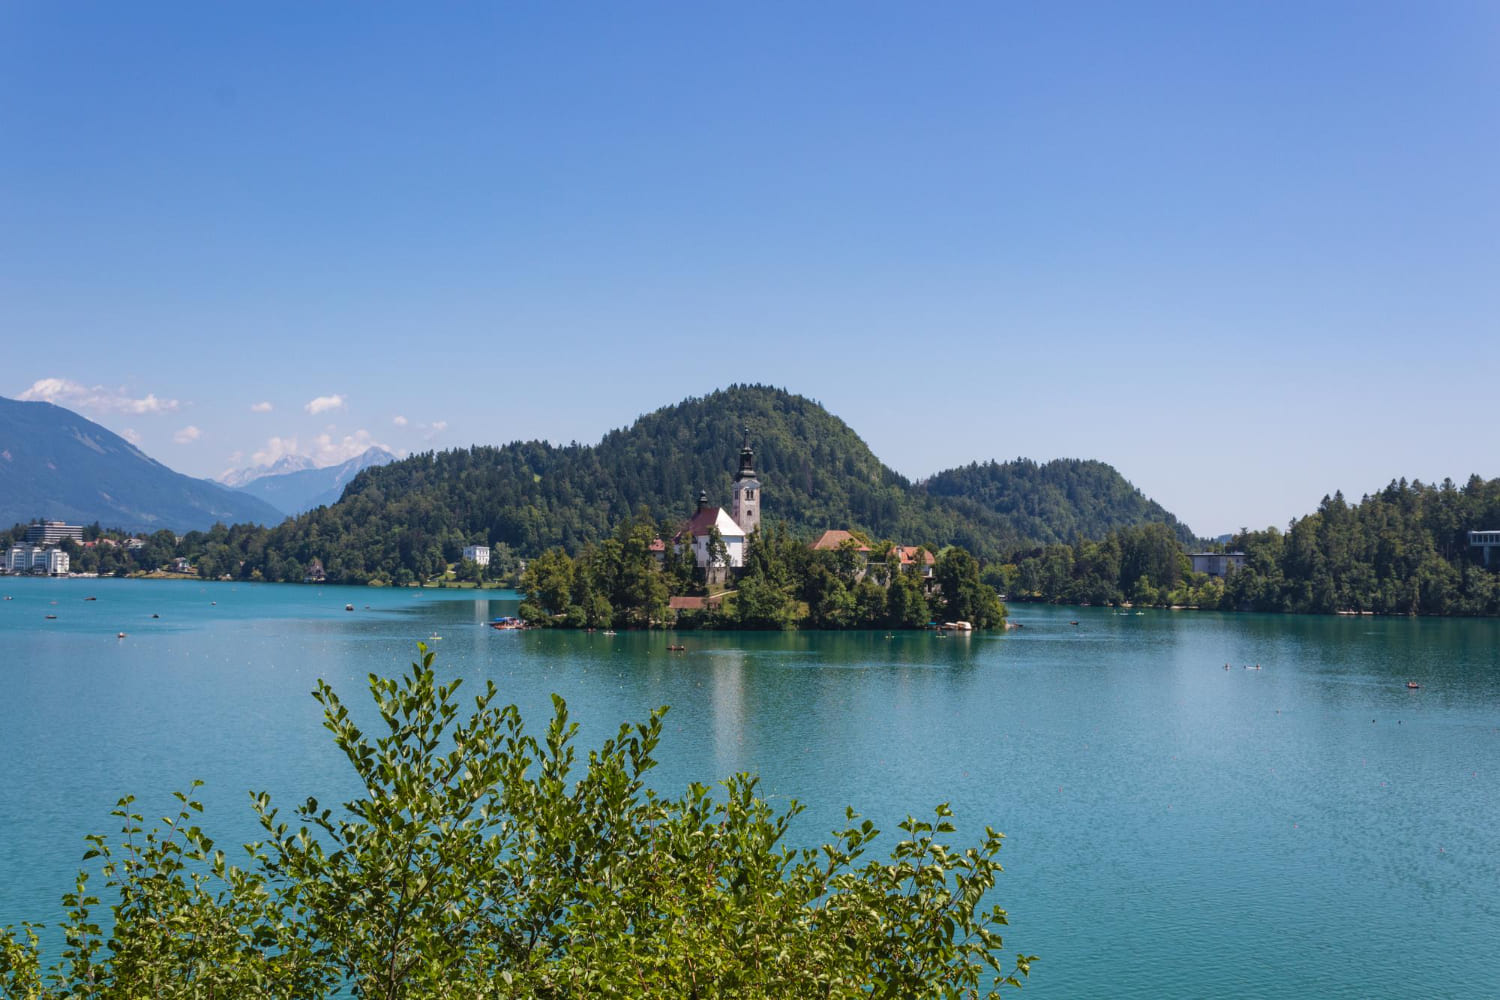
<point x="836" y="537"/>
<point x="713" y="517"/>
<point x="908" y="554"/>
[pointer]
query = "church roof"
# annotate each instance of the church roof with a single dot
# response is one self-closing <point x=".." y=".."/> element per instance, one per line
<point x="708" y="517"/>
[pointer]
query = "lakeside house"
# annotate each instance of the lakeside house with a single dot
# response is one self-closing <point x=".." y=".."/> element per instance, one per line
<point x="1217" y="564"/>
<point x="905" y="555"/>
<point x="479" y="554"/>
<point x="23" y="558"/>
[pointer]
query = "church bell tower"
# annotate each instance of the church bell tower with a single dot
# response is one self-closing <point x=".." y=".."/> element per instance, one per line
<point x="747" y="492"/>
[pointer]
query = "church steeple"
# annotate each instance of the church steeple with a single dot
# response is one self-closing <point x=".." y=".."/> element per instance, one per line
<point x="747" y="490"/>
<point x="747" y="459"/>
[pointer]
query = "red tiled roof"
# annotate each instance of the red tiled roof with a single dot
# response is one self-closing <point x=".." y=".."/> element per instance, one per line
<point x="834" y="538"/>
<point x="701" y="521"/>
<point x="657" y="545"/>
<point x="693" y="603"/>
<point x="908" y="554"/>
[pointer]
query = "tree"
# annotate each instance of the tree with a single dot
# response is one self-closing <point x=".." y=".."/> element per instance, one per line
<point x="482" y="861"/>
<point x="547" y="585"/>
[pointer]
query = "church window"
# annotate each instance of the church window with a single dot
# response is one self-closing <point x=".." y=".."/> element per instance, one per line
<point x="749" y="494"/>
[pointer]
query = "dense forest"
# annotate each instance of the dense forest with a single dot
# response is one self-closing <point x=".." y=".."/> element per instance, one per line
<point x="784" y="584"/>
<point x="1054" y="502"/>
<point x="1403" y="550"/>
<point x="409" y="520"/>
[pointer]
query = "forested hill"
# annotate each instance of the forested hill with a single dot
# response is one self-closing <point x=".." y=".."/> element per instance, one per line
<point x="417" y="513"/>
<point x="1064" y="500"/>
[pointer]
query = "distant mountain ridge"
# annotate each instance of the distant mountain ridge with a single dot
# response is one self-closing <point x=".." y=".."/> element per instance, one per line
<point x="240" y="478"/>
<point x="414" y="515"/>
<point x="57" y="464"/>
<point x="301" y="487"/>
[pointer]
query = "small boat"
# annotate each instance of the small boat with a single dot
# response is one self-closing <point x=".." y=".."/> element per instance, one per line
<point x="156" y="616"/>
<point x="956" y="627"/>
<point x="1412" y="685"/>
<point x="51" y="618"/>
<point x="676" y="649"/>
<point x="348" y="607"/>
<point x="119" y="635"/>
<point x="610" y="631"/>
<point x="1072" y="623"/>
<point x="91" y="598"/>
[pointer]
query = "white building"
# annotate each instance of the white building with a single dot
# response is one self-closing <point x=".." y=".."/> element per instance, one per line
<point x="1217" y="564"/>
<point x="477" y="553"/>
<point x="52" y="532"/>
<point x="733" y="528"/>
<point x="33" y="558"/>
<point x="56" y="562"/>
<point x="699" y="530"/>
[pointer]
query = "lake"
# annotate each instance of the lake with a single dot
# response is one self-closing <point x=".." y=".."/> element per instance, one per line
<point x="1174" y="829"/>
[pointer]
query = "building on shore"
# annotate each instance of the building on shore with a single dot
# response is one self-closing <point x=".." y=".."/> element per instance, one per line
<point x="46" y="533"/>
<point x="1217" y="564"/>
<point x="477" y="554"/>
<point x="1484" y="541"/>
<point x="23" y="558"/>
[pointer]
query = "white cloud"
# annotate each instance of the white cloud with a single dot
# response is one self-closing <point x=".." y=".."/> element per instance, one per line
<point x="330" y="450"/>
<point x="276" y="448"/>
<point x="187" y="435"/>
<point x="325" y="403"/>
<point x="95" y="399"/>
<point x="440" y="425"/>
<point x="260" y="407"/>
<point x="399" y="420"/>
<point x="130" y="434"/>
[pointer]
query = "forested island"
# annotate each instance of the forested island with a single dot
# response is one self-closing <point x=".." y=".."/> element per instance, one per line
<point x="783" y="584"/>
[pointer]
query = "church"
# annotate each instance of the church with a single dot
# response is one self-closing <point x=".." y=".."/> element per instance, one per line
<point x="735" y="525"/>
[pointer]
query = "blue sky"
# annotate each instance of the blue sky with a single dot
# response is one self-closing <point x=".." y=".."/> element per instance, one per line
<point x="1248" y="256"/>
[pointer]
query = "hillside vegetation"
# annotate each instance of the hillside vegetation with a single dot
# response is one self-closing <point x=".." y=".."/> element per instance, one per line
<point x="1403" y="550"/>
<point x="411" y="517"/>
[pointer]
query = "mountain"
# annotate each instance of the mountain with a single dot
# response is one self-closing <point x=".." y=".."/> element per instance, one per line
<point x="414" y="515"/>
<point x="1056" y="502"/>
<point x="302" y="488"/>
<point x="286" y="463"/>
<point x="57" y="464"/>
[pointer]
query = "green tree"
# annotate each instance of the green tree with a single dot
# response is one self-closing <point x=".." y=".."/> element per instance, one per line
<point x="547" y="585"/>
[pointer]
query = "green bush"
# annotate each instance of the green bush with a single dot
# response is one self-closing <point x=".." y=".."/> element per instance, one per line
<point x="484" y="862"/>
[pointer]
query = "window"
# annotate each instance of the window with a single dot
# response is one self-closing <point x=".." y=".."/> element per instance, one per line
<point x="749" y="494"/>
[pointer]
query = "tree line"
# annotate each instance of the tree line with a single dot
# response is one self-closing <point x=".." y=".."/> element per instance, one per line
<point x="1403" y="550"/>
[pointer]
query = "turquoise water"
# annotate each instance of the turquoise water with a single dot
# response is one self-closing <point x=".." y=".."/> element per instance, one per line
<point x="1174" y="829"/>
